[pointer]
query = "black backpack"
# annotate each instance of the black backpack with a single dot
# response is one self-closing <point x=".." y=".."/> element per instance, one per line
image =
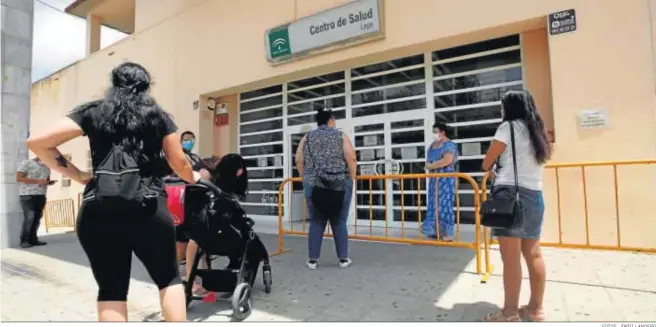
<point x="118" y="180"/>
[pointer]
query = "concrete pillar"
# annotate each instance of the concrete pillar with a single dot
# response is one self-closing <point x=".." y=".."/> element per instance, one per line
<point x="17" y="25"/>
<point x="93" y="34"/>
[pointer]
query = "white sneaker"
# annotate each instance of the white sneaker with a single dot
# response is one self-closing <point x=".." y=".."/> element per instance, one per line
<point x="312" y="264"/>
<point x="344" y="263"/>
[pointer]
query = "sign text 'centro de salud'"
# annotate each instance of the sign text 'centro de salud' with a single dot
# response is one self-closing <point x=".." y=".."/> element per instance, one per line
<point x="355" y="22"/>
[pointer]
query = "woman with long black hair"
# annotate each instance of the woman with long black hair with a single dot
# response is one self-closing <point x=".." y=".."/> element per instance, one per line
<point x="532" y="150"/>
<point x="128" y="132"/>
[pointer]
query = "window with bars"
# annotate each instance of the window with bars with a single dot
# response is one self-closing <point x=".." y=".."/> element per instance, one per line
<point x="261" y="144"/>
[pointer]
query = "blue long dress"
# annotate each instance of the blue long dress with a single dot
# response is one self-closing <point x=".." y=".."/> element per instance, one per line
<point x="446" y="192"/>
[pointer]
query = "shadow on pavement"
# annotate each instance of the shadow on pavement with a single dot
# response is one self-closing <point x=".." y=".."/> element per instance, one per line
<point x="387" y="282"/>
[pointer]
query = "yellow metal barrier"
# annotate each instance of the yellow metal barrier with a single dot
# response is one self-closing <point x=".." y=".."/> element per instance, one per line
<point x="60" y="214"/>
<point x="420" y="240"/>
<point x="584" y="190"/>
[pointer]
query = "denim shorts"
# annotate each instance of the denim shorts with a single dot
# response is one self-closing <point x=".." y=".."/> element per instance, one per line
<point x="533" y="210"/>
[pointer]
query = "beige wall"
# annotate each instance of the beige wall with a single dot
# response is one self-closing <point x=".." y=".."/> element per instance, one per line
<point x="200" y="48"/>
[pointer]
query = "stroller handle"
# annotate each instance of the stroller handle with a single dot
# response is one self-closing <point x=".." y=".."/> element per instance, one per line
<point x="211" y="186"/>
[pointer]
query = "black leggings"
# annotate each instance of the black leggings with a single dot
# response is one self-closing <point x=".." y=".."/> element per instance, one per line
<point x="109" y="238"/>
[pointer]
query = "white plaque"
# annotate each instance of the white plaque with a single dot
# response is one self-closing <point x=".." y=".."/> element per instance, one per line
<point x="367" y="155"/>
<point x="597" y="118"/>
<point x="409" y="153"/>
<point x="262" y="162"/>
<point x="370" y="140"/>
<point x="471" y="149"/>
<point x="367" y="170"/>
<point x="277" y="161"/>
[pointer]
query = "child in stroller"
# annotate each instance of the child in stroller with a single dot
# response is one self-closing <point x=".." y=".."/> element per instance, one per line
<point x="215" y="220"/>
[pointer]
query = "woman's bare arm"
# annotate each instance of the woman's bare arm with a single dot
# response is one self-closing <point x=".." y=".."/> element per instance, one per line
<point x="177" y="160"/>
<point x="349" y="156"/>
<point x="493" y="152"/>
<point x="45" y="144"/>
<point x="300" y="161"/>
<point x="445" y="161"/>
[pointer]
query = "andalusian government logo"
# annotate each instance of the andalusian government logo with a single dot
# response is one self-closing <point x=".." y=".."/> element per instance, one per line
<point x="279" y="42"/>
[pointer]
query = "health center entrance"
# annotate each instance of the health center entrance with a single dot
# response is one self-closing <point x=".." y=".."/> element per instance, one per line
<point x="387" y="144"/>
<point x="387" y="109"/>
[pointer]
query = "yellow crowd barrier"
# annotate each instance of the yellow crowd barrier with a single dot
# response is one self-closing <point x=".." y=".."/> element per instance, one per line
<point x="60" y="214"/>
<point x="557" y="168"/>
<point x="284" y="229"/>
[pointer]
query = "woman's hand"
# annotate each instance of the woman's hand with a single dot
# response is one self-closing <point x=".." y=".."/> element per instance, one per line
<point x="84" y="177"/>
<point x="197" y="176"/>
<point x="205" y="174"/>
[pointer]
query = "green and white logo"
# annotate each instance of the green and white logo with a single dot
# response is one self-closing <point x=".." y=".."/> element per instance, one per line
<point x="279" y="42"/>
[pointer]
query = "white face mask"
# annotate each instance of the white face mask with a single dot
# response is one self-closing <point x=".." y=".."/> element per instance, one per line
<point x="437" y="137"/>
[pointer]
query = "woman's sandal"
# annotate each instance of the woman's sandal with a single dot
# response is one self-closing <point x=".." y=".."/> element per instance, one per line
<point x="531" y="315"/>
<point x="198" y="290"/>
<point x="500" y="317"/>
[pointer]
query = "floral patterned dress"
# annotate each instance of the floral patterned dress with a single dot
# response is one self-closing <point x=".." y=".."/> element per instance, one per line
<point x="446" y="193"/>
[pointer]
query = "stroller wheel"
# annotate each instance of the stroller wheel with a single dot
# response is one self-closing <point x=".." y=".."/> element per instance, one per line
<point x="267" y="277"/>
<point x="268" y="281"/>
<point x="241" y="301"/>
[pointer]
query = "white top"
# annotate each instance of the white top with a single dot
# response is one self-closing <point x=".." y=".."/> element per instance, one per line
<point x="529" y="171"/>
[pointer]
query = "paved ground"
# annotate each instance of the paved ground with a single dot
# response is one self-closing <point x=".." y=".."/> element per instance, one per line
<point x="386" y="283"/>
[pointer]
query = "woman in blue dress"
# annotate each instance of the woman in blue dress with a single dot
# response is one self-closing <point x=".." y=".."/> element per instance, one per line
<point x="441" y="157"/>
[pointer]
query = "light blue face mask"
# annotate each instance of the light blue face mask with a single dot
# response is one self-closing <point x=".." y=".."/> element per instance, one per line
<point x="188" y="144"/>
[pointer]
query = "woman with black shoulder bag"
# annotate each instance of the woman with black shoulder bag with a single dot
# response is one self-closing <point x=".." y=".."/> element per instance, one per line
<point x="515" y="209"/>
<point x="326" y="161"/>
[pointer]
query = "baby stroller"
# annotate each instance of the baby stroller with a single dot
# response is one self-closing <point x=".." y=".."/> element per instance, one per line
<point x="213" y="218"/>
<point x="217" y="223"/>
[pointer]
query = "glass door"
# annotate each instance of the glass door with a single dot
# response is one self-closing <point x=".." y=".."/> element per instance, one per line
<point x="388" y="145"/>
<point x="294" y="192"/>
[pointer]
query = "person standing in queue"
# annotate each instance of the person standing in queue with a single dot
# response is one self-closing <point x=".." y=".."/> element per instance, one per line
<point x="327" y="163"/>
<point x="124" y="207"/>
<point x="441" y="157"/>
<point x="522" y="132"/>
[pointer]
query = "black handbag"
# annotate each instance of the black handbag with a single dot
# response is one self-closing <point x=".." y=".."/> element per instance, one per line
<point x="328" y="190"/>
<point x="501" y="212"/>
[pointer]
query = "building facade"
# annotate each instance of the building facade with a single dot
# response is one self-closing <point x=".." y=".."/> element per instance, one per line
<point x="593" y="82"/>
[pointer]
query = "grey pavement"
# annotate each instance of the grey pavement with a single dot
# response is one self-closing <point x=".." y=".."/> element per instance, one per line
<point x="387" y="282"/>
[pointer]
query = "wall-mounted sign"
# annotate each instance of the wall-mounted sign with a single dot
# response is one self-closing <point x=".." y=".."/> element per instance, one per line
<point x="409" y="153"/>
<point x="471" y="149"/>
<point x="589" y="119"/>
<point x="367" y="155"/>
<point x="370" y="140"/>
<point x="367" y="169"/>
<point x="355" y="22"/>
<point x="562" y="22"/>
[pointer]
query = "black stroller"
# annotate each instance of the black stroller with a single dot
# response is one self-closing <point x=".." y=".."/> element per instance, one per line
<point x="216" y="221"/>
